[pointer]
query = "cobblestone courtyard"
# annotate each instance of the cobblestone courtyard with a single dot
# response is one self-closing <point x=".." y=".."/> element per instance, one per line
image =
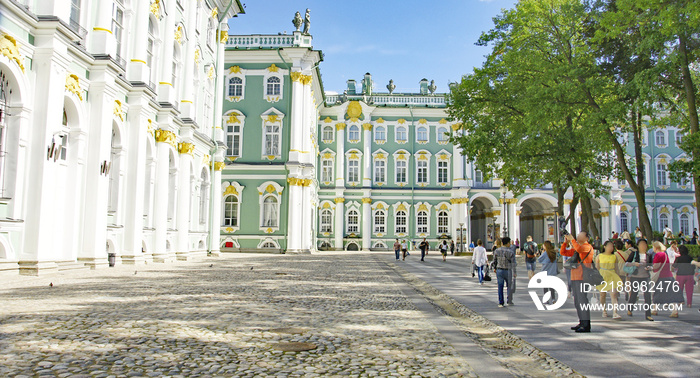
<point x="226" y="316"/>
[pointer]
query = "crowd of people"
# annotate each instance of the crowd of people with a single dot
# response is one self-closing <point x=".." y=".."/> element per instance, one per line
<point x="629" y="268"/>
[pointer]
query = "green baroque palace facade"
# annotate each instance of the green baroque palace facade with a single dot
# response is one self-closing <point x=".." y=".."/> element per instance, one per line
<point x="307" y="169"/>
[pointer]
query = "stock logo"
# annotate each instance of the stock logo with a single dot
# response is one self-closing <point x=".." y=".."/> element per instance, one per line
<point x="542" y="281"/>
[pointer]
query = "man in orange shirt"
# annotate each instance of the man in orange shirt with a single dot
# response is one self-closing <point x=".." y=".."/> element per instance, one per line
<point x="585" y="256"/>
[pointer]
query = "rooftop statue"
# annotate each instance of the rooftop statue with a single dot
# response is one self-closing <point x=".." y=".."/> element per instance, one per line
<point x="307" y="22"/>
<point x="297" y="21"/>
<point x="432" y="87"/>
<point x="391" y="86"/>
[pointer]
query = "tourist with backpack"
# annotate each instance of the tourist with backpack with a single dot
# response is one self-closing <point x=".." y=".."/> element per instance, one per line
<point x="530" y="248"/>
<point x="480" y="260"/>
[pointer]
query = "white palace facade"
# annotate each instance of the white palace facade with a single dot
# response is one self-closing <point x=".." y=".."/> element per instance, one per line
<point x="108" y="130"/>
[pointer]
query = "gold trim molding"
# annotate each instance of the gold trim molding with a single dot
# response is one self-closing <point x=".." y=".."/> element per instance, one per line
<point x="219" y="165"/>
<point x="166" y="136"/>
<point x="185" y="148"/>
<point x="73" y="85"/>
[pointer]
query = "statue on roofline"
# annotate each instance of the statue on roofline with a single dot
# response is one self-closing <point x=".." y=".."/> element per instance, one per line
<point x="307" y="22"/>
<point x="297" y="21"/>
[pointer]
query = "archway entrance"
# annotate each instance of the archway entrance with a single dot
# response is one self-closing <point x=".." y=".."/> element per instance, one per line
<point x="353" y="247"/>
<point x="482" y="222"/>
<point x="537" y="220"/>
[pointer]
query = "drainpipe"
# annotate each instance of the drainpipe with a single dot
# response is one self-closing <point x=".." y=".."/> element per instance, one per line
<point x="413" y="150"/>
<point x="212" y="189"/>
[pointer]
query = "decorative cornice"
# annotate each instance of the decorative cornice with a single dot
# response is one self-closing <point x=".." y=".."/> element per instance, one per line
<point x="307" y="79"/>
<point x="604" y="214"/>
<point x="230" y="190"/>
<point x="339" y="200"/>
<point x="459" y="200"/>
<point x="178" y="34"/>
<point x="223" y="36"/>
<point x="367" y="127"/>
<point x="185" y="148"/>
<point x="295" y="76"/>
<point x="155" y="8"/>
<point x="73" y="85"/>
<point x="340" y="126"/>
<point x="294" y="181"/>
<point x="219" y="165"/>
<point x="273" y="68"/>
<point x="367" y="200"/>
<point x="166" y="136"/>
<point x="613" y="202"/>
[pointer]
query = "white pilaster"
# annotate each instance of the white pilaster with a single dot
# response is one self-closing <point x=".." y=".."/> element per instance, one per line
<point x="183" y="201"/>
<point x="366" y="222"/>
<point x="103" y="41"/>
<point x="367" y="155"/>
<point x="339" y="230"/>
<point x="136" y="68"/>
<point x="340" y="155"/>
<point x="160" y="208"/>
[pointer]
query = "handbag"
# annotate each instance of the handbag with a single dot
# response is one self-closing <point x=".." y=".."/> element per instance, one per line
<point x="487" y="276"/>
<point x="591" y="275"/>
<point x="572" y="263"/>
<point x="631" y="269"/>
<point x="655" y="275"/>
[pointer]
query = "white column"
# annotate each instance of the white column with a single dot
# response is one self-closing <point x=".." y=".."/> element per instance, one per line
<point x="214" y="226"/>
<point x="516" y="234"/>
<point x="94" y="252"/>
<point x="295" y="216"/>
<point x="340" y="155"/>
<point x="165" y="71"/>
<point x="309" y="123"/>
<point x="458" y="167"/>
<point x="615" y="217"/>
<point x="162" y="189"/>
<point x="296" y="130"/>
<point x="137" y="70"/>
<point x="339" y="230"/>
<point x="367" y="155"/>
<point x="183" y="201"/>
<point x="135" y="183"/>
<point x="366" y="223"/>
<point x="103" y="42"/>
<point x="307" y="212"/>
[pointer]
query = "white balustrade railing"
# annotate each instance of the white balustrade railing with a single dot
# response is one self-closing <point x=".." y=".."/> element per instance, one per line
<point x="437" y="100"/>
<point x="248" y="41"/>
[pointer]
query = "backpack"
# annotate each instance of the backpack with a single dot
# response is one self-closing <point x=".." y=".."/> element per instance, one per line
<point x="530" y="250"/>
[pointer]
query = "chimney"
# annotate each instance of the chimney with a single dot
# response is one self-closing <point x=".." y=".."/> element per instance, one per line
<point x="367" y="84"/>
<point x="351" y="87"/>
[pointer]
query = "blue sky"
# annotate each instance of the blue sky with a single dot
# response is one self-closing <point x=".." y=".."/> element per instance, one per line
<point x="401" y="40"/>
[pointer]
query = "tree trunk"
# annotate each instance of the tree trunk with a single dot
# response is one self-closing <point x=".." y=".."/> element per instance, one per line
<point x="587" y="219"/>
<point x="691" y="100"/>
<point x="640" y="192"/>
<point x="572" y="214"/>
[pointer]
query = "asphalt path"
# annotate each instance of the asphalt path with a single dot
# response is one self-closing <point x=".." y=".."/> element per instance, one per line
<point x="622" y="348"/>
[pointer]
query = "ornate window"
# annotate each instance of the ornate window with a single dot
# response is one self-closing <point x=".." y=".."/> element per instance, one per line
<point x="661" y="174"/>
<point x="401" y="171"/>
<point x="353" y="221"/>
<point x="663" y="221"/>
<point x="443" y="171"/>
<point x="354" y="134"/>
<point x="685" y="224"/>
<point x="327" y="171"/>
<point x="235" y="87"/>
<point x="422" y="171"/>
<point x="328" y="134"/>
<point x="660" y="138"/>
<point x="231" y="211"/>
<point x="443" y="222"/>
<point x="150" y="49"/>
<point x="379" y="222"/>
<point x="442" y="135"/>
<point x="679" y="138"/>
<point x="273" y="87"/>
<point x="380" y="134"/>
<point x="117" y="26"/>
<point x="400" y="222"/>
<point x="624" y="222"/>
<point x="401" y="134"/>
<point x="326" y="220"/>
<point x="422" y="134"/>
<point x="478" y="177"/>
<point x="272" y="134"/>
<point x="270" y="211"/>
<point x="233" y="140"/>
<point x="379" y="170"/>
<point x="422" y="222"/>
<point x="354" y="170"/>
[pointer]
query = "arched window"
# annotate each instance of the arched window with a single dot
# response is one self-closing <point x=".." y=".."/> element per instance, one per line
<point x="328" y="134"/>
<point x="63" y="137"/>
<point x="401" y="135"/>
<point x="660" y="138"/>
<point x="442" y="135"/>
<point x="233" y="139"/>
<point x="380" y="170"/>
<point x="624" y="222"/>
<point x="235" y="87"/>
<point x="270" y="245"/>
<point x="273" y="86"/>
<point x="443" y="171"/>
<point x="679" y="138"/>
<point x="400" y="222"/>
<point x="326" y="221"/>
<point x="353" y="221"/>
<point x="661" y="174"/>
<point x="685" y="224"/>
<point x="422" y="134"/>
<point x="380" y="134"/>
<point x="663" y="221"/>
<point x="231" y="211"/>
<point x="354" y="133"/>
<point x="379" y="221"/>
<point x="270" y="211"/>
<point x="327" y="171"/>
<point x="443" y="221"/>
<point x="272" y="139"/>
<point x="204" y="198"/>
<point x="422" y="222"/>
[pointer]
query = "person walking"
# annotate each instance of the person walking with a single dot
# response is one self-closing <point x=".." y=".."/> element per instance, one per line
<point x="639" y="277"/>
<point x="397" y="249"/>
<point x="549" y="265"/>
<point x="638" y="235"/>
<point x="530" y="248"/>
<point x="443" y="249"/>
<point x="423" y="249"/>
<point x="668" y="234"/>
<point x="673" y="252"/>
<point x="479" y="260"/>
<point x="625" y="235"/>
<point x="583" y="249"/>
<point x="608" y="267"/>
<point x="566" y="252"/>
<point x="621" y="254"/>
<point x="404" y="249"/>
<point x="452" y="247"/>
<point x="504" y="259"/>
<point x="694" y="238"/>
<point x="685" y="274"/>
<point x="664" y="292"/>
